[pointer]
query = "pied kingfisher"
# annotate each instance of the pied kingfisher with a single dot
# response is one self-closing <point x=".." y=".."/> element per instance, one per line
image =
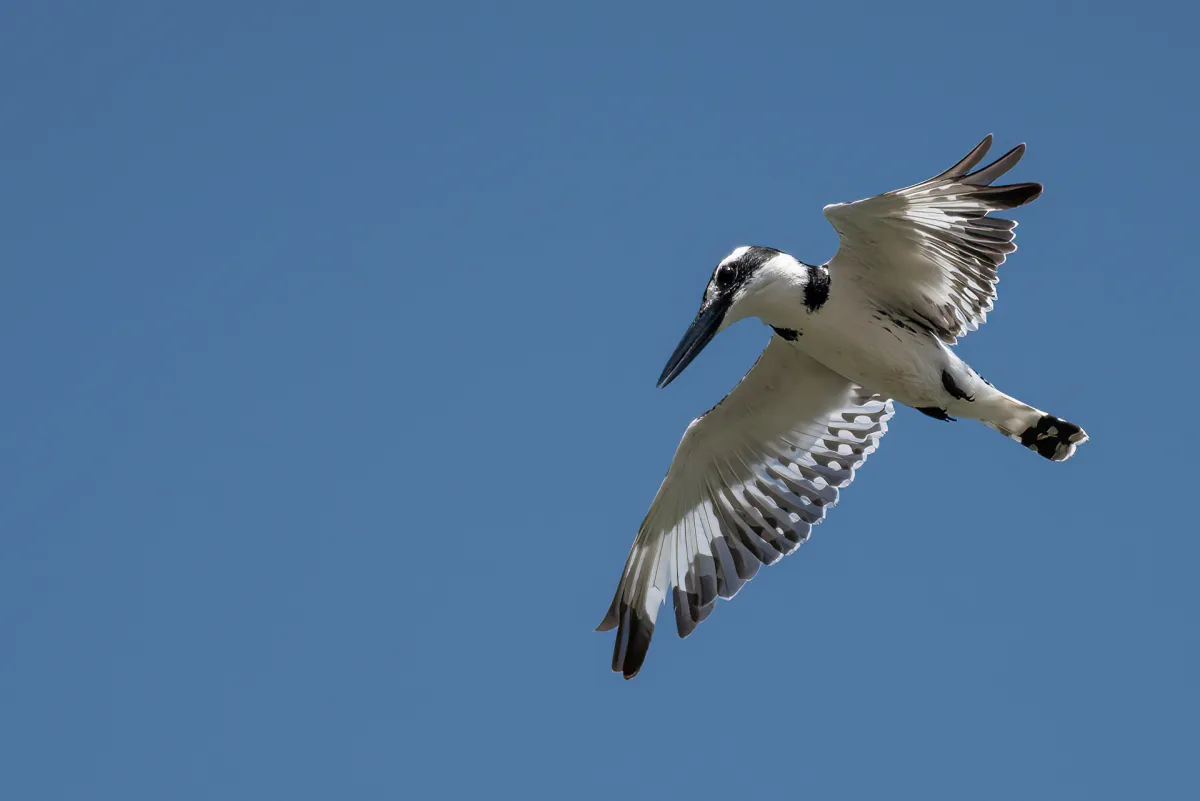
<point x="915" y="270"/>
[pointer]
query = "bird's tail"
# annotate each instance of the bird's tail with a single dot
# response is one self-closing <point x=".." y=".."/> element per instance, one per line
<point x="1050" y="436"/>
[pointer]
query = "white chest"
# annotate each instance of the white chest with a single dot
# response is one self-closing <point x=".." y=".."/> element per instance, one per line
<point x="852" y="339"/>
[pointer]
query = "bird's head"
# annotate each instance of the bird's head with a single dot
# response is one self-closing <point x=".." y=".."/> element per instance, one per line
<point x="746" y="283"/>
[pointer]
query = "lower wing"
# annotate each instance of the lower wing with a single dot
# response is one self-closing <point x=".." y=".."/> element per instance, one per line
<point x="749" y="481"/>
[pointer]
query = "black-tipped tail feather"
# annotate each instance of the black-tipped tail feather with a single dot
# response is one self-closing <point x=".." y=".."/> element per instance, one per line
<point x="1046" y="435"/>
<point x="1053" y="438"/>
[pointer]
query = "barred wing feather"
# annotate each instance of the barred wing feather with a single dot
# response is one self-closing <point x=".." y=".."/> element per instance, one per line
<point x="748" y="482"/>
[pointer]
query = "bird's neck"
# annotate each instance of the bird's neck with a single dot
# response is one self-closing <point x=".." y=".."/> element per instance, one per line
<point x="792" y="291"/>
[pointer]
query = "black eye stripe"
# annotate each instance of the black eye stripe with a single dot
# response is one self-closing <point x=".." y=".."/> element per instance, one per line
<point x="734" y="273"/>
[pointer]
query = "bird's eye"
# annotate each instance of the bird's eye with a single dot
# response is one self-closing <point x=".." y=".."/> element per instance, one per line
<point x="725" y="275"/>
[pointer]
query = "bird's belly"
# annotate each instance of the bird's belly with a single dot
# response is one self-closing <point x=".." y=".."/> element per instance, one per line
<point x="902" y="365"/>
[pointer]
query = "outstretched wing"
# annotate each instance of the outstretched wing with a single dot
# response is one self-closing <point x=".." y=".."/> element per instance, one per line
<point x="749" y="481"/>
<point x="930" y="252"/>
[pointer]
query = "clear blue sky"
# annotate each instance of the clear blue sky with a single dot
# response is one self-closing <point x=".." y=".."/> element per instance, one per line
<point x="329" y="336"/>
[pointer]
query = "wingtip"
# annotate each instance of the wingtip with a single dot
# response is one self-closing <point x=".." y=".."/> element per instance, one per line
<point x="1019" y="194"/>
<point x="609" y="622"/>
<point x="967" y="162"/>
<point x="632" y="642"/>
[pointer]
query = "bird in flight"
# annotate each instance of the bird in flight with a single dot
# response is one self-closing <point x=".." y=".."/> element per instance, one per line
<point x="914" y="271"/>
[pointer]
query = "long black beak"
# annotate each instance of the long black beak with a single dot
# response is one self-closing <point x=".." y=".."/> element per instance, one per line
<point x="699" y="334"/>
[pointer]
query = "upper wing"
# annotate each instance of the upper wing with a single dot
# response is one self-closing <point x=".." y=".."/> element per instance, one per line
<point x="749" y="480"/>
<point x="929" y="252"/>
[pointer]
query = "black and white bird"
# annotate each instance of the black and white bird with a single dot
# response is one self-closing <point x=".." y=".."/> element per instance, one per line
<point x="914" y="271"/>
